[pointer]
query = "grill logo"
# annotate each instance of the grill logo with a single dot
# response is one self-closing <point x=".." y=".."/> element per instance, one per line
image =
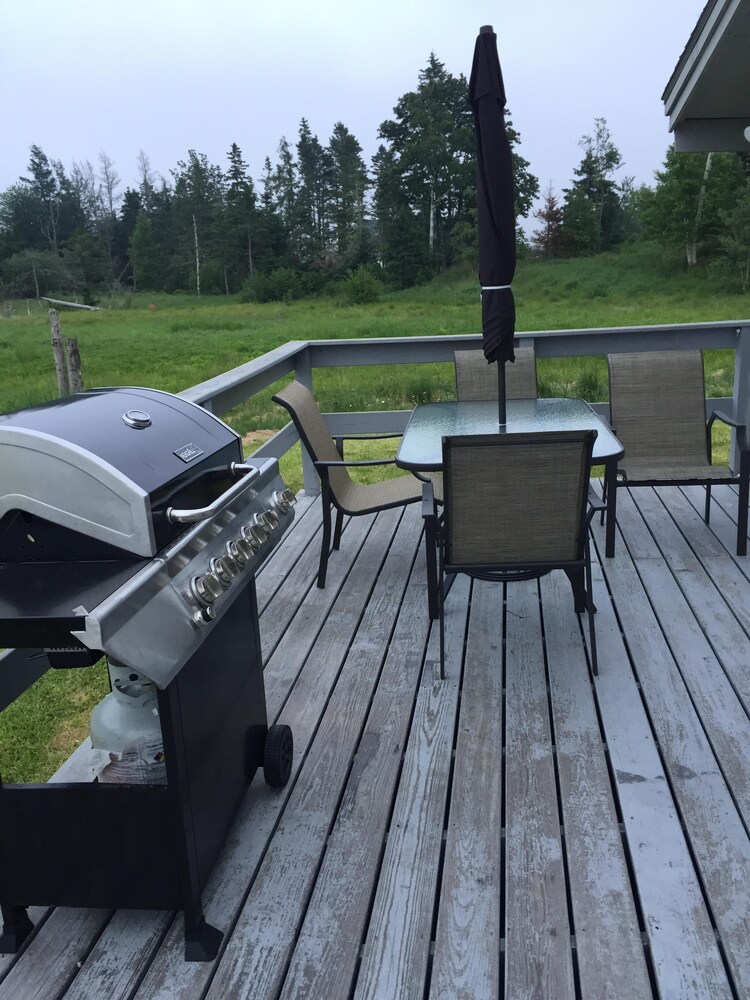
<point x="188" y="452"/>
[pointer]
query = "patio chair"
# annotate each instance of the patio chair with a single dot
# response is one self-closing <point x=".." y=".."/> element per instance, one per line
<point x="658" y="411"/>
<point x="515" y="507"/>
<point x="338" y="489"/>
<point x="475" y="379"/>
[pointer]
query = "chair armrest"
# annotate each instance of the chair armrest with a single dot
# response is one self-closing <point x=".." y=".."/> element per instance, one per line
<point x="429" y="508"/>
<point x="365" y="461"/>
<point x="725" y="418"/>
<point x="741" y="429"/>
<point x="368" y="437"/>
<point x="340" y="438"/>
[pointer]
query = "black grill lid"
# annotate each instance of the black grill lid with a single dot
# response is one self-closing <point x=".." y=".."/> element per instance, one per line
<point x="94" y="462"/>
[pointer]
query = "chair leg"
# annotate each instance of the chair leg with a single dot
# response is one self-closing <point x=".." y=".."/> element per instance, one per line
<point x="707" y="511"/>
<point x="430" y="542"/>
<point x="742" y="505"/>
<point x="576" y="577"/>
<point x="337" y="529"/>
<point x="591" y="611"/>
<point x="326" y="543"/>
<point x="441" y="600"/>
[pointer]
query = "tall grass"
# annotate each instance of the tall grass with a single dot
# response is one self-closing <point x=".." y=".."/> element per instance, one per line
<point x="172" y="342"/>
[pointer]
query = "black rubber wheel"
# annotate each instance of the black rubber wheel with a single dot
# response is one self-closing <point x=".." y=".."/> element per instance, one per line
<point x="278" y="755"/>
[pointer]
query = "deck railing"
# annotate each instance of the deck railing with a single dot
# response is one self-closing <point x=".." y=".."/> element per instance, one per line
<point x="301" y="358"/>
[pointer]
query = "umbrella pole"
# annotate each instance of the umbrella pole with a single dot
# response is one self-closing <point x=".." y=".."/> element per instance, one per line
<point x="501" y="393"/>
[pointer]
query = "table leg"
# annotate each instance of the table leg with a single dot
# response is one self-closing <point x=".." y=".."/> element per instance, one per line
<point x="610" y="485"/>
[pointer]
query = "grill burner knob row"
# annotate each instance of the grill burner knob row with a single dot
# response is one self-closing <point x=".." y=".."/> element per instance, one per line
<point x="206" y="589"/>
<point x="225" y="568"/>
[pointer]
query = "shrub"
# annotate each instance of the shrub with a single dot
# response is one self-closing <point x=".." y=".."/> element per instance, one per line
<point x="361" y="287"/>
<point x="281" y="285"/>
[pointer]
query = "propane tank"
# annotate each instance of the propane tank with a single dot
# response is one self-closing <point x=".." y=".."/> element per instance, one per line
<point x="125" y="725"/>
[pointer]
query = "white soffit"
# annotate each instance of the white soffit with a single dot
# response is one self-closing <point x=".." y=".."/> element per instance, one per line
<point x="708" y="96"/>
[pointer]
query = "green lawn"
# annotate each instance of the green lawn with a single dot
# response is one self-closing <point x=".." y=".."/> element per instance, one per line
<point x="172" y="342"/>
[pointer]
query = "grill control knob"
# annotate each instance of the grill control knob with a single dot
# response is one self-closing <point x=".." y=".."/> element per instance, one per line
<point x="204" y="615"/>
<point x="284" y="500"/>
<point x="271" y="519"/>
<point x="253" y="536"/>
<point x="225" y="568"/>
<point x="206" y="588"/>
<point x="260" y="522"/>
<point x="240" y="551"/>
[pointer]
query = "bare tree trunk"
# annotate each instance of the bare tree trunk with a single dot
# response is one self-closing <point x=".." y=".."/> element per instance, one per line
<point x="36" y="281"/>
<point x="57" y="349"/>
<point x="197" y="258"/>
<point x="692" y="247"/>
<point x="249" y="253"/>
<point x="432" y="216"/>
<point x="226" y="282"/>
<point x="75" y="378"/>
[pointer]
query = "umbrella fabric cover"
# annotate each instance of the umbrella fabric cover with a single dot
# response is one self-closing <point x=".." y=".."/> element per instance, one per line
<point x="496" y="219"/>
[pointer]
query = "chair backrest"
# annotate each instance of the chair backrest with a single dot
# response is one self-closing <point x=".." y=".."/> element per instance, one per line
<point x="313" y="430"/>
<point x="658" y="405"/>
<point x="513" y="500"/>
<point x="475" y="379"/>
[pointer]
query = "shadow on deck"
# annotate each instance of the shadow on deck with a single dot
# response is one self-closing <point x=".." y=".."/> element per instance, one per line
<point x="516" y="830"/>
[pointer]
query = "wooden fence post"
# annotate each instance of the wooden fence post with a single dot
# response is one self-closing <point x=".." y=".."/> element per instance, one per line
<point x="57" y="349"/>
<point x="75" y="378"/>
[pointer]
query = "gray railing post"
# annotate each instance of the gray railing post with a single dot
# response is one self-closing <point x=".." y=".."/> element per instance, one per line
<point x="741" y="391"/>
<point x="303" y="374"/>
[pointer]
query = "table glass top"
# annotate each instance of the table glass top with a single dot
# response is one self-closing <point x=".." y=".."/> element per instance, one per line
<point x="421" y="445"/>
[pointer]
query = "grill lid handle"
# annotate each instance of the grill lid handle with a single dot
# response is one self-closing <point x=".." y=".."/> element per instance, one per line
<point x="248" y="473"/>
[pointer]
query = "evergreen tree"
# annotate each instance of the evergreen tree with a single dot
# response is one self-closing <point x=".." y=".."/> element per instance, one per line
<point x="592" y="216"/>
<point x="349" y="182"/>
<point x="549" y="241"/>
<point x="431" y="138"/>
<point x="312" y="215"/>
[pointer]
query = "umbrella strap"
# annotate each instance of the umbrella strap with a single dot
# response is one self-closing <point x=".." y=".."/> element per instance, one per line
<point x="494" y="288"/>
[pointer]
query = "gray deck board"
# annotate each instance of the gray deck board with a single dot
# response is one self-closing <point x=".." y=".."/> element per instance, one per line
<point x="519" y="829"/>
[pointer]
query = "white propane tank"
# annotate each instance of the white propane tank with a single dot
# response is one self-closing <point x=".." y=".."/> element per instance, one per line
<point x="125" y="725"/>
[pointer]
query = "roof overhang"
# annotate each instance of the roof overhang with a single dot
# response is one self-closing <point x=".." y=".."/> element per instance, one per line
<point x="708" y="96"/>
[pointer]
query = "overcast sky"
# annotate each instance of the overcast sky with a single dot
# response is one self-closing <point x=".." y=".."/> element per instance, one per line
<point x="166" y="76"/>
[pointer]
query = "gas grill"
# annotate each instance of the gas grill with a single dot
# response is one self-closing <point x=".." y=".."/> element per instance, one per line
<point x="131" y="526"/>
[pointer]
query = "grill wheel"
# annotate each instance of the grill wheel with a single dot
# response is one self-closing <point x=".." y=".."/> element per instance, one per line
<point x="278" y="755"/>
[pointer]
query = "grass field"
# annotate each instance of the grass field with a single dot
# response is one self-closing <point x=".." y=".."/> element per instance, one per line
<point x="172" y="342"/>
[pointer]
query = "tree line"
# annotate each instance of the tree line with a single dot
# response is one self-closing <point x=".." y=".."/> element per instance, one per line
<point x="319" y="214"/>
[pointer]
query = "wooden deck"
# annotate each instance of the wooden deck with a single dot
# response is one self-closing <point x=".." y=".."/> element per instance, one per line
<point x="518" y="830"/>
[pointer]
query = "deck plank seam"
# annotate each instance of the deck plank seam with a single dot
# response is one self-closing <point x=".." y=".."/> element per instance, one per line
<point x="448" y="796"/>
<point x="558" y="789"/>
<point x="664" y="561"/>
<point x="679" y="811"/>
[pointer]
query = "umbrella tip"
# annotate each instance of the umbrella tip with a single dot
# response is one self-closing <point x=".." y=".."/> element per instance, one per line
<point x="486" y="29"/>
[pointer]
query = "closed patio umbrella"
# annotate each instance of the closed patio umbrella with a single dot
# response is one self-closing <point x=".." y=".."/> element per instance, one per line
<point x="496" y="217"/>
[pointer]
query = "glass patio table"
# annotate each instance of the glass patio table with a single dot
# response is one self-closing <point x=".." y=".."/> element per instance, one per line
<point x="421" y="448"/>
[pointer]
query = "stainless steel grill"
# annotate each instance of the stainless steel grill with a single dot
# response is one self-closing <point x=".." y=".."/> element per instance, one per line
<point x="131" y="526"/>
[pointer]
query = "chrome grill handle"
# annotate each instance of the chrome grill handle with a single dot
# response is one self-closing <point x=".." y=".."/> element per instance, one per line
<point x="248" y="473"/>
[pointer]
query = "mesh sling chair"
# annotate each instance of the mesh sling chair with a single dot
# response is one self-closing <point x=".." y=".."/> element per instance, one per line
<point x="475" y="379"/>
<point x="338" y="489"/>
<point x="516" y="506"/>
<point x="658" y="411"/>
